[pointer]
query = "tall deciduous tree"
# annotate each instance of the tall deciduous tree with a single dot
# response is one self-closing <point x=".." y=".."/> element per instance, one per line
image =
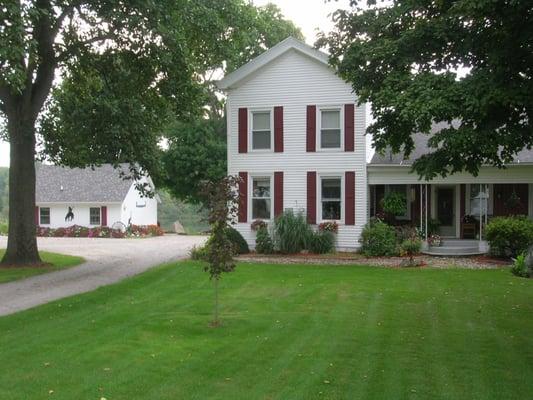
<point x="197" y="149"/>
<point x="403" y="57"/>
<point x="124" y="68"/>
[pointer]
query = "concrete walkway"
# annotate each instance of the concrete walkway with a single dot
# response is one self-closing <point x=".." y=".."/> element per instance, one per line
<point x="108" y="261"/>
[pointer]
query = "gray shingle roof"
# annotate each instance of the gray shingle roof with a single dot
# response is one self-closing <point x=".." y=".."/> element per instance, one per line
<point x="101" y="184"/>
<point x="421" y="148"/>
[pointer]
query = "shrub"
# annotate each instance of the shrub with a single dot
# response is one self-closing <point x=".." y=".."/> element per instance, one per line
<point x="519" y="266"/>
<point x="3" y="228"/>
<point x="404" y="232"/>
<point x="263" y="242"/>
<point x="291" y="232"/>
<point x="233" y="235"/>
<point x="378" y="239"/>
<point x="199" y="253"/>
<point x="321" y="242"/>
<point x="509" y="236"/>
<point x="59" y="232"/>
<point x="410" y="248"/>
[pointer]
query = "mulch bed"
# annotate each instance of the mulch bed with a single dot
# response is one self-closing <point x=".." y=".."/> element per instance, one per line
<point x="341" y="258"/>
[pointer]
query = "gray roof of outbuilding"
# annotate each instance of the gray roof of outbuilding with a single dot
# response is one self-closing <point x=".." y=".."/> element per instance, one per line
<point x="421" y="148"/>
<point x="102" y="184"/>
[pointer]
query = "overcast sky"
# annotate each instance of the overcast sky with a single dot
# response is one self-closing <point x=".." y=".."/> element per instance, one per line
<point x="308" y="15"/>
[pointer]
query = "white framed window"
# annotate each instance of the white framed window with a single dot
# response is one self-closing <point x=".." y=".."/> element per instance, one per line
<point x="331" y="198"/>
<point x="261" y="198"/>
<point x="94" y="216"/>
<point x="331" y="135"/>
<point x="404" y="190"/>
<point x="261" y="130"/>
<point x="44" y="216"/>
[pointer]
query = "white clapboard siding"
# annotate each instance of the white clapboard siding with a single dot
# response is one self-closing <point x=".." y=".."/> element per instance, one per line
<point x="294" y="81"/>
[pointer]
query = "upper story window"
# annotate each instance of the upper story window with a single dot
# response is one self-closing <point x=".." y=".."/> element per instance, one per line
<point x="330" y="128"/>
<point x="261" y="130"/>
<point x="261" y="198"/>
<point x="94" y="215"/>
<point x="44" y="216"/>
<point x="331" y="198"/>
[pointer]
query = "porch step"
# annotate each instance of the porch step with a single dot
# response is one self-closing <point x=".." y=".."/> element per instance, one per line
<point x="455" y="248"/>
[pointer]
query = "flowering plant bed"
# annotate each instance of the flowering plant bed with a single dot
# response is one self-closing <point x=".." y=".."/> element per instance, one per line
<point x="258" y="224"/>
<point x="330" y="226"/>
<point x="100" y="231"/>
<point x="353" y="258"/>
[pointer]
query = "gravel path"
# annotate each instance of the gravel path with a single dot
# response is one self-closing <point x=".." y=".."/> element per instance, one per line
<point x="108" y="261"/>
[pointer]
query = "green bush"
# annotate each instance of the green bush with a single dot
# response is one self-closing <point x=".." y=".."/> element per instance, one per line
<point x="519" y="267"/>
<point x="291" y="232"/>
<point x="321" y="242"/>
<point x="241" y="247"/>
<point x="3" y="228"/>
<point x="410" y="247"/>
<point x="263" y="242"/>
<point x="509" y="236"/>
<point x="199" y="253"/>
<point x="378" y="239"/>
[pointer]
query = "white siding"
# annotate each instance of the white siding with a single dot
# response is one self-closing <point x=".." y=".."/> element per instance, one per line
<point x="58" y="211"/>
<point x="295" y="81"/>
<point x="141" y="210"/>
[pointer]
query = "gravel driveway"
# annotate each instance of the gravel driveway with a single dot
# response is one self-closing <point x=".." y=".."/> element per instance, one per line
<point x="108" y="261"/>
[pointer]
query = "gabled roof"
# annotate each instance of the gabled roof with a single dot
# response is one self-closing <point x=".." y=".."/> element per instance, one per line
<point x="102" y="184"/>
<point x="231" y="80"/>
<point x="421" y="148"/>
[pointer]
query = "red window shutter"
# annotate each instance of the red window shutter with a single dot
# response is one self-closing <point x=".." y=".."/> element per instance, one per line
<point x="349" y="198"/>
<point x="104" y="216"/>
<point x="37" y="216"/>
<point x="311" y="197"/>
<point x="311" y="129"/>
<point x="349" y="136"/>
<point x="243" y="130"/>
<point x="243" y="197"/>
<point x="278" y="129"/>
<point x="278" y="193"/>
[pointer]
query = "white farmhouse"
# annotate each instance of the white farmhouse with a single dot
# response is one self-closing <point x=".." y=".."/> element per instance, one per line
<point x="296" y="137"/>
<point x="91" y="197"/>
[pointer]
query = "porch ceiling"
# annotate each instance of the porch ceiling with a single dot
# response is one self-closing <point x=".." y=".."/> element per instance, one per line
<point x="396" y="174"/>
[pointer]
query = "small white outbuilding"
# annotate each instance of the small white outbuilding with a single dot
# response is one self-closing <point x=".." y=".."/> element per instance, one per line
<point x="92" y="197"/>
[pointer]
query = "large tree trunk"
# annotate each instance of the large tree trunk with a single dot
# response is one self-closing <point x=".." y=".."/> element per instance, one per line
<point x="22" y="241"/>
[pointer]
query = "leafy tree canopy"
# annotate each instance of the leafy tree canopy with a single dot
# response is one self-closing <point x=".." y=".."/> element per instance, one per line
<point x="404" y="56"/>
<point x="196" y="154"/>
<point x="118" y="71"/>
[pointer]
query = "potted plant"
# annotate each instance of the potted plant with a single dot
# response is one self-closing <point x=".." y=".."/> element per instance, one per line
<point x="435" y="240"/>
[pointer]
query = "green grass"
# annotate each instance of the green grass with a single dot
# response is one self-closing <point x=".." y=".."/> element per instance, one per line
<point x="289" y="332"/>
<point x="57" y="261"/>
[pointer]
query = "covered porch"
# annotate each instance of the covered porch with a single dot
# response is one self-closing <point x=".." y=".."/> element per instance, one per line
<point x="456" y="208"/>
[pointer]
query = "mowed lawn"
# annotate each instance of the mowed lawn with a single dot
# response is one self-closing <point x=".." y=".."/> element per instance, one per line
<point x="56" y="261"/>
<point x="290" y="332"/>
